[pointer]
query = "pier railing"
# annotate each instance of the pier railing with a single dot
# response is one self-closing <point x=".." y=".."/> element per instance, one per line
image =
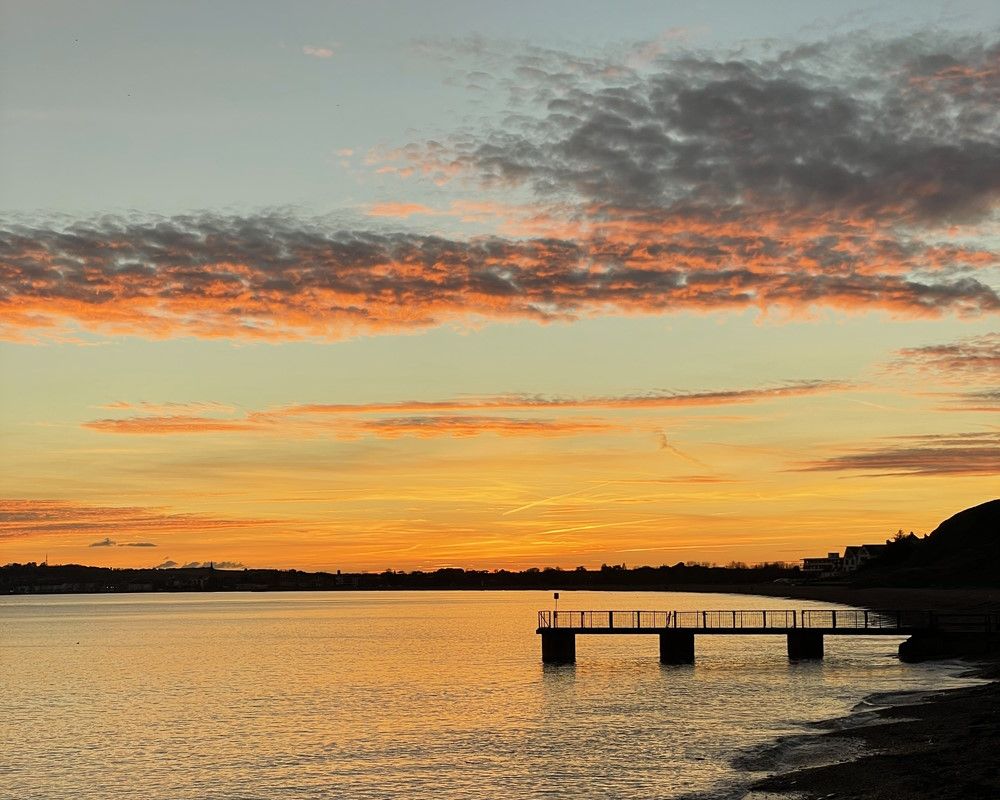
<point x="764" y="619"/>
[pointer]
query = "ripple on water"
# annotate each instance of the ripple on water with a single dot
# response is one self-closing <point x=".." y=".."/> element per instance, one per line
<point x="396" y="695"/>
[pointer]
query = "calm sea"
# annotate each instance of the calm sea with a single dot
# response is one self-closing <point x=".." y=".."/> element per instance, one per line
<point x="394" y="695"/>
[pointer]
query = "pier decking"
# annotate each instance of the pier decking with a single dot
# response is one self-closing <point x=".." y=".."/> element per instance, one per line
<point x="804" y="629"/>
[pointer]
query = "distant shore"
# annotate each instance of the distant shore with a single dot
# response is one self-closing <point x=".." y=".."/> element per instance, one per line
<point x="100" y="580"/>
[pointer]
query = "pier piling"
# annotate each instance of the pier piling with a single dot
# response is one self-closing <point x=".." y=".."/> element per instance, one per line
<point x="558" y="647"/>
<point x="805" y="645"/>
<point x="677" y="647"/>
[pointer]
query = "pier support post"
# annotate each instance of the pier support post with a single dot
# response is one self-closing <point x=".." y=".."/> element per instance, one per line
<point x="805" y="644"/>
<point x="677" y="647"/>
<point x="558" y="647"/>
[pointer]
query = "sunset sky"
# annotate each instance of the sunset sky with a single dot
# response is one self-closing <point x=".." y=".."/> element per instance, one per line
<point x="378" y="285"/>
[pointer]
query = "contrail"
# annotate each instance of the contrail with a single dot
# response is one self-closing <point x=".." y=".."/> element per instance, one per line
<point x="873" y="405"/>
<point x="545" y="500"/>
<point x="602" y="525"/>
<point x="665" y="445"/>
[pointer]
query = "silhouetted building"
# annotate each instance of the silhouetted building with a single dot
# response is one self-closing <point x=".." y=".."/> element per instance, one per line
<point x="856" y="556"/>
<point x="826" y="567"/>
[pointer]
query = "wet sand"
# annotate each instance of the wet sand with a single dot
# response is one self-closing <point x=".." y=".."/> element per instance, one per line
<point x="932" y="746"/>
<point x="946" y="747"/>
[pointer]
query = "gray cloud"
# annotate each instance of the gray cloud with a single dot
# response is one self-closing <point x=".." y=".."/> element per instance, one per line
<point x="106" y="542"/>
<point x="897" y="130"/>
<point x="819" y="176"/>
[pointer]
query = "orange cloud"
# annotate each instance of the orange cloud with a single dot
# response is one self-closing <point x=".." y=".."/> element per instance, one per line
<point x="281" y="278"/>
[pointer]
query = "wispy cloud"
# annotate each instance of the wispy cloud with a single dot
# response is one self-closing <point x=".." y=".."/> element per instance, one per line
<point x="974" y="359"/>
<point x="172" y="424"/>
<point x="42" y="517"/>
<point x="972" y="362"/>
<point x="106" y="542"/>
<point x="946" y="454"/>
<point x="469" y="416"/>
<point x="317" y="51"/>
<point x="986" y="400"/>
<point x="527" y="402"/>
<point x="109" y="542"/>
<point x="429" y="426"/>
<point x="474" y="425"/>
<point x="145" y="407"/>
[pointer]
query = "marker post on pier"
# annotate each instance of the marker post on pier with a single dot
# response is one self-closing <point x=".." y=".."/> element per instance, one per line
<point x="558" y="645"/>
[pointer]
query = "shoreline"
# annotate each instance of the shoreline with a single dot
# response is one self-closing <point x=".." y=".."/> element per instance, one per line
<point x="937" y="745"/>
<point x="872" y="598"/>
<point x="921" y="745"/>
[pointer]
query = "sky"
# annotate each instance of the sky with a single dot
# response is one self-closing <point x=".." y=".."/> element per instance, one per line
<point x="411" y="285"/>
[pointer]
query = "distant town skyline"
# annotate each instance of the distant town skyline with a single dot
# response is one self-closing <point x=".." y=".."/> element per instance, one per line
<point x="392" y="285"/>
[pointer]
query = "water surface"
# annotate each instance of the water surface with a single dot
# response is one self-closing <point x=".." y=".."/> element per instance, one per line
<point x="394" y="695"/>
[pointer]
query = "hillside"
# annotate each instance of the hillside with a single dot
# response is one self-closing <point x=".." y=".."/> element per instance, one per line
<point x="964" y="550"/>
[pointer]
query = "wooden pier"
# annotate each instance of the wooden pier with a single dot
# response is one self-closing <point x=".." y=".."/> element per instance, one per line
<point x="804" y="629"/>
